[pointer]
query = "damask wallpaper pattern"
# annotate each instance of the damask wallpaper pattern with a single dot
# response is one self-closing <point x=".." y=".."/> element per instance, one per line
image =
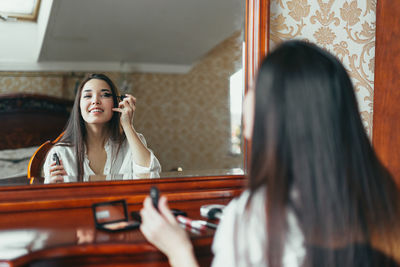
<point x="190" y="113"/>
<point x="39" y="83"/>
<point x="184" y="117"/>
<point x="346" y="28"/>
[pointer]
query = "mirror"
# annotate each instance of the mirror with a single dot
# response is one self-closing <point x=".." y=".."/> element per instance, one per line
<point x="181" y="59"/>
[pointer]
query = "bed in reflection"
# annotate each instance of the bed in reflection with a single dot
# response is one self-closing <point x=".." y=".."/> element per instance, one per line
<point x="27" y="121"/>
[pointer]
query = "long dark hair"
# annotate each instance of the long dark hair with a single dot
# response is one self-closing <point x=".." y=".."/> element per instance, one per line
<point x="310" y="150"/>
<point x="75" y="131"/>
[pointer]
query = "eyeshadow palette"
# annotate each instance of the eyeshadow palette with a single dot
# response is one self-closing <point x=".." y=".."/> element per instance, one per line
<point x="112" y="216"/>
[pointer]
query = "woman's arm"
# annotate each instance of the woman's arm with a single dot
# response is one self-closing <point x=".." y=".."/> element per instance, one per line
<point x="163" y="231"/>
<point x="140" y="153"/>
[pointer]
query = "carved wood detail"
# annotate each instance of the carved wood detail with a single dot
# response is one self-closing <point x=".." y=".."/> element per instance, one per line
<point x="36" y="118"/>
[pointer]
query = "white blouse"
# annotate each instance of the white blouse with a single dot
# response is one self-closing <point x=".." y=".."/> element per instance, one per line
<point x="240" y="239"/>
<point x="116" y="163"/>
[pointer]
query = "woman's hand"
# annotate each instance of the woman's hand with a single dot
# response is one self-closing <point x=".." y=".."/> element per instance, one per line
<point x="141" y="155"/>
<point x="57" y="172"/>
<point x="127" y="109"/>
<point x="163" y="231"/>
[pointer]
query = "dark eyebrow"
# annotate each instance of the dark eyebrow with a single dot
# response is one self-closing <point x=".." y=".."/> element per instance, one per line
<point x="102" y="90"/>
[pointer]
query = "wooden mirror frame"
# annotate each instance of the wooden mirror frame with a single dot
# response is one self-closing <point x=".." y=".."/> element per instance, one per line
<point x="80" y="195"/>
<point x="386" y="118"/>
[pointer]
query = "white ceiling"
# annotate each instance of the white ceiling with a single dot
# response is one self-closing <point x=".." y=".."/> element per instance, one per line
<point x="129" y="35"/>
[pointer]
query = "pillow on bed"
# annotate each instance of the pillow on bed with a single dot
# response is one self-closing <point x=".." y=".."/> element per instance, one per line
<point x="14" y="162"/>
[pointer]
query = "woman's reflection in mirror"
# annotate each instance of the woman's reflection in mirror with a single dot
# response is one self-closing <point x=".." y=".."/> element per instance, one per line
<point x="99" y="136"/>
<point x="317" y="194"/>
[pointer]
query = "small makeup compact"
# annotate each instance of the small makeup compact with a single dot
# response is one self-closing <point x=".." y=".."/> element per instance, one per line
<point x="113" y="216"/>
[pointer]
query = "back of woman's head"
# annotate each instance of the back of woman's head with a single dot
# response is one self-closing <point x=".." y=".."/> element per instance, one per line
<point x="310" y="149"/>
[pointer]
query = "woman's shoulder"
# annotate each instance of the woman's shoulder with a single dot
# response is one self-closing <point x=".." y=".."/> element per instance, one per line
<point x="61" y="148"/>
<point x="241" y="232"/>
<point x="244" y="220"/>
<point x="64" y="152"/>
<point x="240" y="203"/>
<point x="245" y="210"/>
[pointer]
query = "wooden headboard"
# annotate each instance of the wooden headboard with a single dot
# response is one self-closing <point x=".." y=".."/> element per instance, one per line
<point x="31" y="119"/>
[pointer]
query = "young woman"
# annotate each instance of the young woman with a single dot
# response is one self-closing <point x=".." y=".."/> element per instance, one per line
<point x="99" y="137"/>
<point x="317" y="194"/>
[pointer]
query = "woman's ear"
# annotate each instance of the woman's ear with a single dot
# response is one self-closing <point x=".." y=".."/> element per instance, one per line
<point x="248" y="113"/>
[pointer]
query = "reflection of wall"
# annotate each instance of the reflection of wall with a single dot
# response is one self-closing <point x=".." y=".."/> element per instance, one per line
<point x="184" y="117"/>
<point x="190" y="113"/>
<point x="345" y="28"/>
<point x="45" y="83"/>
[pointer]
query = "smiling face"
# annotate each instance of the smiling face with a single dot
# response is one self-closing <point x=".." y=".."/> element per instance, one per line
<point x="96" y="102"/>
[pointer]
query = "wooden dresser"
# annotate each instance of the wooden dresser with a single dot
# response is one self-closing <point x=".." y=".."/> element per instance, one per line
<point x="42" y="227"/>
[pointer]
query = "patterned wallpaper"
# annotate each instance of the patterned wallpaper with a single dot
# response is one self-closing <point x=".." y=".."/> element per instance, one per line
<point x="28" y="82"/>
<point x="190" y="113"/>
<point x="184" y="117"/>
<point x="345" y="28"/>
